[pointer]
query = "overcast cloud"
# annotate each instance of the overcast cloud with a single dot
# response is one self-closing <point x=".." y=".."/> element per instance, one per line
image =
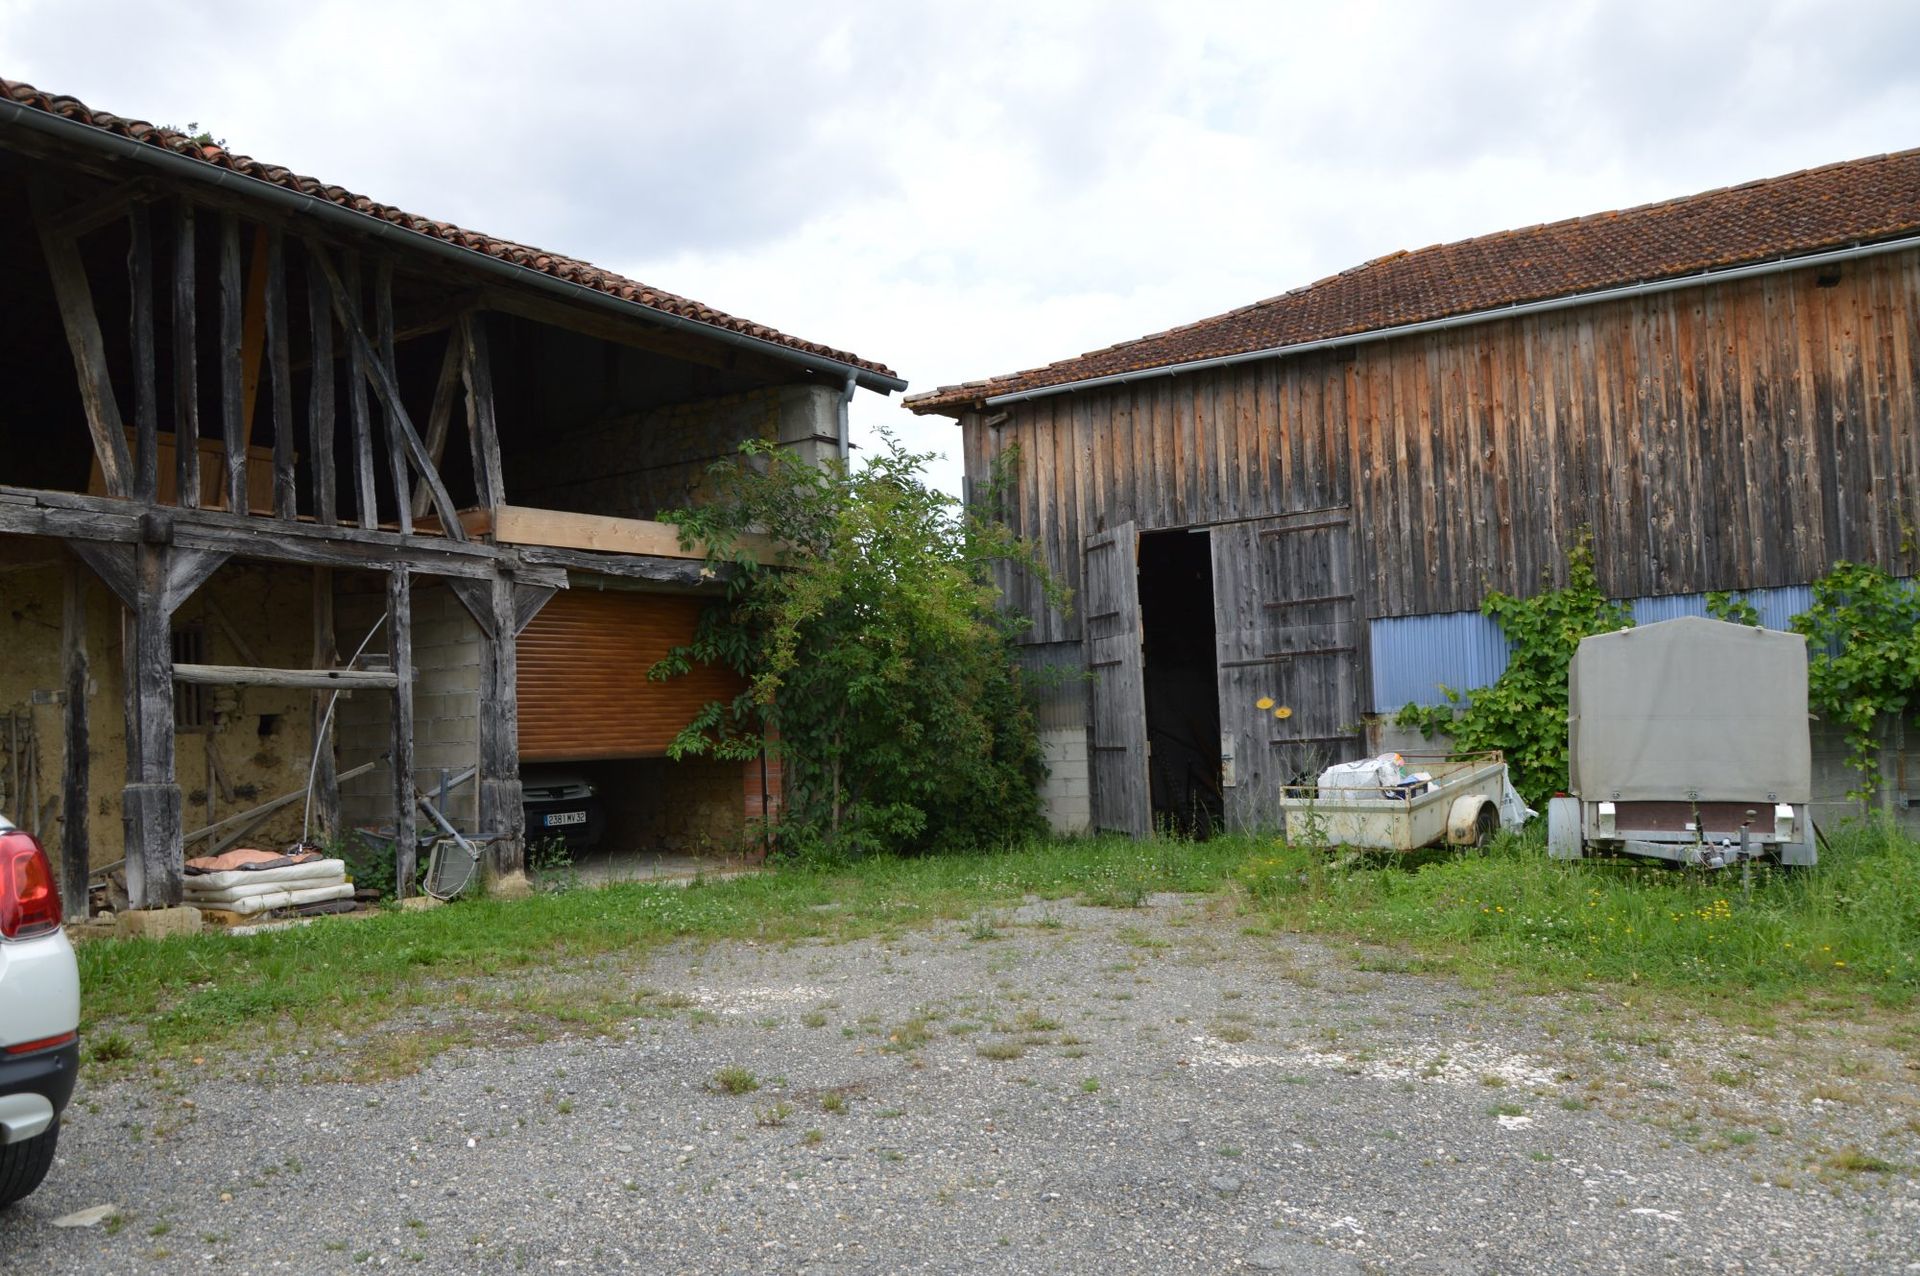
<point x="968" y="189"/>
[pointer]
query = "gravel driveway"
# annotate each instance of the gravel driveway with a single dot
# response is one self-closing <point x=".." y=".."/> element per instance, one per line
<point x="1050" y="1089"/>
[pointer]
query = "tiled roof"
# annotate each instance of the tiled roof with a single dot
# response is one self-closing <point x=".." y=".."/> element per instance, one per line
<point x="569" y="269"/>
<point x="1852" y="202"/>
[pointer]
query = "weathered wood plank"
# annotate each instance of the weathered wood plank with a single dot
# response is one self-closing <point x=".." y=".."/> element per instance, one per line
<point x="233" y="411"/>
<point x="483" y="429"/>
<point x="186" y="367"/>
<point x="146" y="399"/>
<point x="320" y="405"/>
<point x="76" y="744"/>
<point x="400" y="662"/>
<point x="393" y="415"/>
<point x="326" y="780"/>
<point x="280" y="375"/>
<point x="344" y="293"/>
<point x="75" y="298"/>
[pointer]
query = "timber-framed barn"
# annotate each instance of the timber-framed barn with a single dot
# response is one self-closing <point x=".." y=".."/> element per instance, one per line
<point x="1279" y="523"/>
<point x="293" y="483"/>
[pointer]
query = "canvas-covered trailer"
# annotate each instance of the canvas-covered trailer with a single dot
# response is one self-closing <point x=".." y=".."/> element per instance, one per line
<point x="1688" y="741"/>
<point x="1459" y="805"/>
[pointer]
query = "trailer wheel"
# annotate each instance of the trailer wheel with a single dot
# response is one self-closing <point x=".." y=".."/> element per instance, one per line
<point x="1486" y="828"/>
<point x="1471" y="821"/>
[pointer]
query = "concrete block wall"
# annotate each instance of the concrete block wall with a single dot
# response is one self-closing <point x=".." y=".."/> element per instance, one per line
<point x="1066" y="795"/>
<point x="446" y="701"/>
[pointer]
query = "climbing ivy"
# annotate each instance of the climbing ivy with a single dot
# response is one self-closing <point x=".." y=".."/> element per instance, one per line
<point x="1863" y="659"/>
<point x="1735" y="609"/>
<point x="1524" y="714"/>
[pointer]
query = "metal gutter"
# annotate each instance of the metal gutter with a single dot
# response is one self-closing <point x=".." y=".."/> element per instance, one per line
<point x="1774" y="266"/>
<point x="303" y="205"/>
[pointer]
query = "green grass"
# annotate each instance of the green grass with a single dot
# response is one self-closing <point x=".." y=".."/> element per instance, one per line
<point x="1849" y="927"/>
<point x="1848" y="930"/>
<point x="201" y="990"/>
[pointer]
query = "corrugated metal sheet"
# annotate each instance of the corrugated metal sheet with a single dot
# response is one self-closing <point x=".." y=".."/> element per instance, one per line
<point x="1413" y="656"/>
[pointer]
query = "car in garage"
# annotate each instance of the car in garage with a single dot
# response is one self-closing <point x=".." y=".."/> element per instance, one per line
<point x="562" y="804"/>
<point x="39" y="1014"/>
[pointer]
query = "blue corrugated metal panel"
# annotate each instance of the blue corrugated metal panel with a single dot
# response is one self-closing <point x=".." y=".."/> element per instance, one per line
<point x="1413" y="656"/>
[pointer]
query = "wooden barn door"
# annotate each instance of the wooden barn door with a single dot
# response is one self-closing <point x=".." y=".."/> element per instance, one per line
<point x="1289" y="634"/>
<point x="1118" y="738"/>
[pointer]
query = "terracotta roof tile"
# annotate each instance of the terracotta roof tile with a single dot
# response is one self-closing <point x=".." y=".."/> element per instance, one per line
<point x="1853" y="202"/>
<point x="560" y="267"/>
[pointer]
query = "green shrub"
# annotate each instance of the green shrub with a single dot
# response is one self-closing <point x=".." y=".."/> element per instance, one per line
<point x="1863" y="659"/>
<point x="1524" y="713"/>
<point x="877" y="658"/>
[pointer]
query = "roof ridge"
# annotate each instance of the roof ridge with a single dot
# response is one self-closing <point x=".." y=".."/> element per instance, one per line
<point x="1399" y="287"/>
<point x="574" y="270"/>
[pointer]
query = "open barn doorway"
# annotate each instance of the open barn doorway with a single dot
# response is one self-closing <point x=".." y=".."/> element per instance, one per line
<point x="1182" y="694"/>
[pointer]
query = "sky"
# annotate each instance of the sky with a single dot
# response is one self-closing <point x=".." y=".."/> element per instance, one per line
<point x="965" y="189"/>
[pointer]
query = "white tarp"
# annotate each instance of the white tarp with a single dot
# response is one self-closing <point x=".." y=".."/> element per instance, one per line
<point x="1690" y="706"/>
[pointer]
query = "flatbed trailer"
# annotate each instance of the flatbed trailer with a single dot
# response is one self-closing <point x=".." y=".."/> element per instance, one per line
<point x="1460" y="806"/>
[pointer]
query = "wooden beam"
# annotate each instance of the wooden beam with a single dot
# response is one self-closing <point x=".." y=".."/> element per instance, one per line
<point x="243" y="821"/>
<point x="476" y="595"/>
<point x="688" y="572"/>
<point x="187" y="570"/>
<point x="388" y="392"/>
<point x="406" y="818"/>
<point x="502" y="812"/>
<point x="527" y="602"/>
<point x="110" y="523"/>
<point x="253" y="339"/>
<point x="76" y="751"/>
<point x="366" y="501"/>
<point x="286" y="503"/>
<point x="75" y="297"/>
<point x="233" y="386"/>
<point x="482" y="429"/>
<point x="393" y="416"/>
<point x="523" y="525"/>
<point x="150" y="803"/>
<point x="146" y="400"/>
<point x="186" y="370"/>
<point x="638" y="334"/>
<point x="320" y="411"/>
<point x="305" y="679"/>
<point x="440" y="417"/>
<point x="324" y="783"/>
<point x="104" y="209"/>
<point x="114" y="565"/>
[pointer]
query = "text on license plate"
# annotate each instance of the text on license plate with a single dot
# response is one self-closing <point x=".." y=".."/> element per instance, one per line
<point x="565" y="817"/>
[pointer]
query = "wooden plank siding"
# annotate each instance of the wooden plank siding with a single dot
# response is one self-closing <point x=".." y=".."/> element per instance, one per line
<point x="1738" y="435"/>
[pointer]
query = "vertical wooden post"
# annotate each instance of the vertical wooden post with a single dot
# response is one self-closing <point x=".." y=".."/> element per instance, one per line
<point x="384" y="351"/>
<point x="502" y="811"/>
<point x="365" y="494"/>
<point x="482" y="426"/>
<point x="186" y="372"/>
<point x="406" y="816"/>
<point x="75" y="844"/>
<point x="233" y="429"/>
<point x="146" y="402"/>
<point x="280" y="364"/>
<point x="320" y="393"/>
<point x="150" y="803"/>
<point x="326" y="783"/>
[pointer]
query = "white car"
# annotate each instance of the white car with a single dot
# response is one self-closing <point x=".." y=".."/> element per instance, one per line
<point x="39" y="1014"/>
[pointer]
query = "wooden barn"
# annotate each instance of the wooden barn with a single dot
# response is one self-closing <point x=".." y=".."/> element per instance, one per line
<point x="1279" y="523"/>
<point x="311" y="506"/>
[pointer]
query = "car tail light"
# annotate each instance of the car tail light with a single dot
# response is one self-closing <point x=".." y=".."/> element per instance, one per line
<point x="29" y="899"/>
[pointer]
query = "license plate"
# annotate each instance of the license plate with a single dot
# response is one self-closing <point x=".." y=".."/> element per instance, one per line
<point x="565" y="817"/>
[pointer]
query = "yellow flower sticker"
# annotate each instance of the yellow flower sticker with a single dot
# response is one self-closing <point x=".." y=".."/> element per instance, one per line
<point x="1264" y="702"/>
<point x="1283" y="712"/>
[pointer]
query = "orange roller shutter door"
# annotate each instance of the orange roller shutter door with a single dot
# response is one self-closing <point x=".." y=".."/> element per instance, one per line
<point x="584" y="691"/>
